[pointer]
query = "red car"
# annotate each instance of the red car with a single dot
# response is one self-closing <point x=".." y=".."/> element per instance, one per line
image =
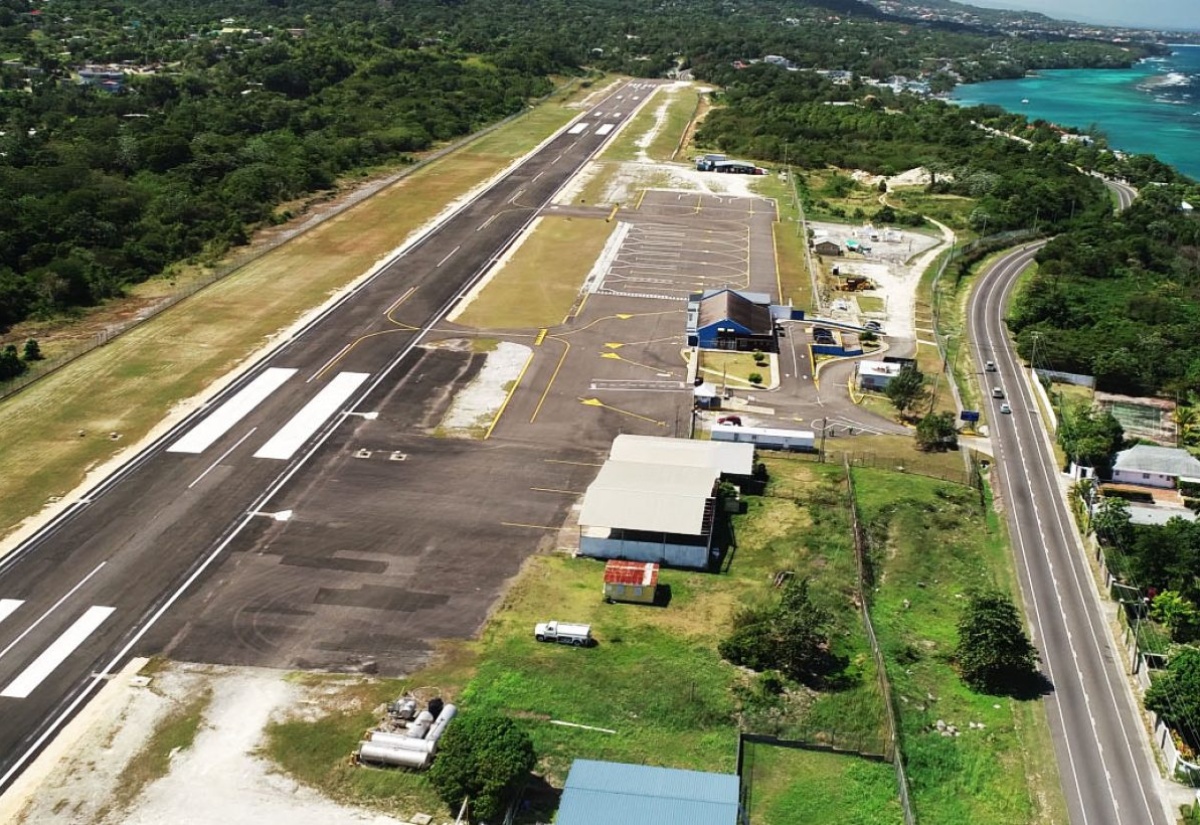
<point x="734" y="420"/>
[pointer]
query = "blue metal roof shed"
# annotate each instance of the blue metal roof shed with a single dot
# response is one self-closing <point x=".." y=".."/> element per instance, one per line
<point x="601" y="793"/>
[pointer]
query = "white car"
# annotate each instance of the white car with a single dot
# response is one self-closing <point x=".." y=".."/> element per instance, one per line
<point x="1005" y="409"/>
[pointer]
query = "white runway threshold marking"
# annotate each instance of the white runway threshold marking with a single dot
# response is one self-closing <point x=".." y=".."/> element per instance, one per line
<point x="284" y="444"/>
<point x="8" y="607"/>
<point x="577" y="129"/>
<point x="208" y="431"/>
<point x="605" y="129"/>
<point x="53" y="656"/>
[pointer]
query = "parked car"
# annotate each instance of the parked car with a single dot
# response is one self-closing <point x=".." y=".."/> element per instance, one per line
<point x="735" y="420"/>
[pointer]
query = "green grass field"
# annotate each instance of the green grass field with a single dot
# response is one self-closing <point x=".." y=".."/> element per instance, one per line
<point x="791" y="786"/>
<point x="933" y="542"/>
<point x="540" y="282"/>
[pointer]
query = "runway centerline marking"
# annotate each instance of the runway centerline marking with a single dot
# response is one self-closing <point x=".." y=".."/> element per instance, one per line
<point x="8" y="607"/>
<point x="53" y="607"/>
<point x="210" y="430"/>
<point x="224" y="456"/>
<point x="284" y="444"/>
<point x="449" y="255"/>
<point x="53" y="656"/>
<point x="486" y="223"/>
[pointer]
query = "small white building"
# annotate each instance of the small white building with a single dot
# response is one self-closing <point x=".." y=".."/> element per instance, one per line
<point x="1160" y="467"/>
<point x="876" y="375"/>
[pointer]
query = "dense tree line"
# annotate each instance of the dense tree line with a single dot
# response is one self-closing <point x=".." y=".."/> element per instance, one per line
<point x="805" y="119"/>
<point x="1119" y="299"/>
<point x="251" y="104"/>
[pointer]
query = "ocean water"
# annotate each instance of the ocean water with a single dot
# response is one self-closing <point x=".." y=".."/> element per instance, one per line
<point x="1152" y="108"/>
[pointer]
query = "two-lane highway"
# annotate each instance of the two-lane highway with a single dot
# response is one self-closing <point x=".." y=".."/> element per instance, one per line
<point x="77" y="599"/>
<point x="1108" y="774"/>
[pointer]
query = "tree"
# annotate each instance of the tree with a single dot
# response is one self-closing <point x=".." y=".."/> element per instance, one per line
<point x="11" y="364"/>
<point x="994" y="654"/>
<point x="482" y="757"/>
<point x="937" y="432"/>
<point x="1112" y="522"/>
<point x="32" y="352"/>
<point x="1175" y="695"/>
<point x="791" y="637"/>
<point x="906" y="389"/>
<point x="1173" y="610"/>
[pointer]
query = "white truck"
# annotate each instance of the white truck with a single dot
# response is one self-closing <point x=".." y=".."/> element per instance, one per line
<point x="579" y="635"/>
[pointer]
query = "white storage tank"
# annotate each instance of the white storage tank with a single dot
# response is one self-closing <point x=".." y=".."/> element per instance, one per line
<point x="439" y="724"/>
<point x="402" y="742"/>
<point x="384" y="755"/>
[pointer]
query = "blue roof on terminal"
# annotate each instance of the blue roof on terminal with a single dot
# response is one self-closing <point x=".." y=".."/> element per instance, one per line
<point x="601" y="793"/>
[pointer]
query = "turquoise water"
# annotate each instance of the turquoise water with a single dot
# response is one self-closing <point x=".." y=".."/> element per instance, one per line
<point x="1152" y="108"/>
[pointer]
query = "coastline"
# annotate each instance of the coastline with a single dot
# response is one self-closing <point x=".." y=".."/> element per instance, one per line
<point x="1152" y="108"/>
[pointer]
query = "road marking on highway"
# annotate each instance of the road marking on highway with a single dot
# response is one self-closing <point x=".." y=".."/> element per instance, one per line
<point x="605" y="129"/>
<point x="8" y="607"/>
<point x="53" y="656"/>
<point x="284" y="444"/>
<point x="577" y="129"/>
<point x="53" y="607"/>
<point x="224" y="456"/>
<point x="210" y="430"/>
<point x="449" y="255"/>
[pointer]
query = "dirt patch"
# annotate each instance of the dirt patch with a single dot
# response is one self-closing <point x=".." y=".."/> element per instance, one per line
<point x="476" y="404"/>
<point x="220" y="778"/>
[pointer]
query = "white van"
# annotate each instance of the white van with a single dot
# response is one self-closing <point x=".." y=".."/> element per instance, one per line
<point x="997" y="392"/>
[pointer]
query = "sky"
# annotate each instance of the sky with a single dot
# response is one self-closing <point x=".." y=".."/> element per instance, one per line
<point x="1154" y="14"/>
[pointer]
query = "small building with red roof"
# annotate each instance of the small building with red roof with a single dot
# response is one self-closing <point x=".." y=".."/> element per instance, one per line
<point x="630" y="581"/>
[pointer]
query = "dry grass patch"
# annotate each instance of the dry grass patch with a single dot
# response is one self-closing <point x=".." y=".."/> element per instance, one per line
<point x="537" y="286"/>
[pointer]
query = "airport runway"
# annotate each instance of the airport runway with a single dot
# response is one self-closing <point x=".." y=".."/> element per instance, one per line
<point x="86" y="593"/>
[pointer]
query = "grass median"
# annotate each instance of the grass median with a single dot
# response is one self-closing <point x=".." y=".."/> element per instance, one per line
<point x="77" y="418"/>
<point x="538" y="284"/>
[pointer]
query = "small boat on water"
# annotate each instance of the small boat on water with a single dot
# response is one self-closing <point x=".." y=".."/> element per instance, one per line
<point x="1025" y="100"/>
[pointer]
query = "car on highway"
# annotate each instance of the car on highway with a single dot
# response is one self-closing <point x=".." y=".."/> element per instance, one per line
<point x="997" y="392"/>
<point x="990" y="366"/>
<point x="1005" y="409"/>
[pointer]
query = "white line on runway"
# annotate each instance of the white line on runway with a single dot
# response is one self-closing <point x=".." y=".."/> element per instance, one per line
<point x="208" y="431"/>
<point x="315" y="413"/>
<point x="53" y="656"/>
<point x="605" y="129"/>
<point x="535" y="177"/>
<point x="488" y="222"/>
<point x="224" y="456"/>
<point x="53" y="607"/>
<point x="8" y="606"/>
<point x="557" y="159"/>
<point x="518" y="194"/>
<point x="449" y="255"/>
<point x="577" y="129"/>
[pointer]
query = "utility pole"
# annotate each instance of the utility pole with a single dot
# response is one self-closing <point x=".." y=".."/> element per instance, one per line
<point x="824" y="423"/>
